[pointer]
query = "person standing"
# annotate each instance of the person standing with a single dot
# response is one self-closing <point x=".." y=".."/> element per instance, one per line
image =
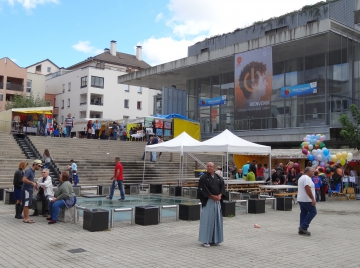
<point x="18" y="176"/>
<point x="47" y="159"/>
<point x="212" y="191"/>
<point x="324" y="185"/>
<point x="144" y="154"/>
<point x="114" y="130"/>
<point x="233" y="170"/>
<point x="45" y="191"/>
<point x="74" y="173"/>
<point x="260" y="172"/>
<point x="43" y="122"/>
<point x="89" y="127"/>
<point x="117" y="178"/>
<point x="97" y="126"/>
<point x="27" y="188"/>
<point x="245" y="169"/>
<point x="69" y="122"/>
<point x="306" y="200"/>
<point x="155" y="140"/>
<point x="266" y="172"/>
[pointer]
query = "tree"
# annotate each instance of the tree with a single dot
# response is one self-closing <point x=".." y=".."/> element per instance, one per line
<point x="22" y="101"/>
<point x="351" y="128"/>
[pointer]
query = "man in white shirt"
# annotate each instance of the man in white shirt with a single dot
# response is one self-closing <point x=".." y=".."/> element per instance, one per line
<point x="306" y="200"/>
<point x="45" y="191"/>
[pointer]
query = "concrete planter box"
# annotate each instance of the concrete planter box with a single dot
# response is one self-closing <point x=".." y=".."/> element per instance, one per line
<point x="189" y="212"/>
<point x="228" y="208"/>
<point x="96" y="220"/>
<point x="147" y="215"/>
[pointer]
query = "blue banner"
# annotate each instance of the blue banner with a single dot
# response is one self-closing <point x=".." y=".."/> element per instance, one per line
<point x="213" y="101"/>
<point x="297" y="90"/>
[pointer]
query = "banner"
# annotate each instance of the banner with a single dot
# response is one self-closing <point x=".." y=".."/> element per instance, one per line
<point x="253" y="81"/>
<point x="297" y="90"/>
<point x="213" y="101"/>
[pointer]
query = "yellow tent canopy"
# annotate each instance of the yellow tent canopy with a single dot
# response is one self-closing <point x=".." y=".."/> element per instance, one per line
<point x="33" y="110"/>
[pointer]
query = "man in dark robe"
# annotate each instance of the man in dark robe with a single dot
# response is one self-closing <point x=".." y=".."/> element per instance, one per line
<point x="211" y="191"/>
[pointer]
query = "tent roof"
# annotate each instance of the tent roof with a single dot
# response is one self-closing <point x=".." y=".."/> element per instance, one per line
<point x="174" y="145"/>
<point x="227" y="142"/>
<point x="33" y="110"/>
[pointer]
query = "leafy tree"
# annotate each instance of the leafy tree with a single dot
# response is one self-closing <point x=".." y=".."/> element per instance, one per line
<point x="351" y="127"/>
<point x="22" y="101"/>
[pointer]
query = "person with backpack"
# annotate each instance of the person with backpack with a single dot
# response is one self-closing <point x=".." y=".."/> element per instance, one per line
<point x="324" y="184"/>
<point x="317" y="182"/>
<point x="115" y="130"/>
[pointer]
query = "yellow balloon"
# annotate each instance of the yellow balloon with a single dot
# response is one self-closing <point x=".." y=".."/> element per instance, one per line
<point x="344" y="155"/>
<point x="342" y="161"/>
<point x="338" y="156"/>
<point x="333" y="158"/>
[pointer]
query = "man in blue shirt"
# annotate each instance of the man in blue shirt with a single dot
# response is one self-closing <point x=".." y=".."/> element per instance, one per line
<point x="73" y="169"/>
<point x="27" y="188"/>
<point x="245" y="168"/>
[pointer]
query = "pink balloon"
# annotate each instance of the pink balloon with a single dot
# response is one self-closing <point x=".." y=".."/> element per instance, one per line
<point x="304" y="151"/>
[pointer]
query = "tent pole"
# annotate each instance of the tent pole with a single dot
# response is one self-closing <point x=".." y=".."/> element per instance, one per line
<point x="180" y="168"/>
<point x="270" y="168"/>
<point x="144" y="168"/>
<point x="227" y="170"/>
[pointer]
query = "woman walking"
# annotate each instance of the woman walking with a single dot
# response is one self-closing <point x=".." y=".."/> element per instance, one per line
<point x="18" y="176"/>
<point x="47" y="159"/>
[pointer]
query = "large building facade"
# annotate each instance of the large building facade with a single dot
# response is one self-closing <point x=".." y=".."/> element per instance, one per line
<point x="282" y="79"/>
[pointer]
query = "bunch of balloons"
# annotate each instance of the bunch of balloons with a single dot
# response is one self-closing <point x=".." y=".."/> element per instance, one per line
<point x="314" y="148"/>
<point x="342" y="157"/>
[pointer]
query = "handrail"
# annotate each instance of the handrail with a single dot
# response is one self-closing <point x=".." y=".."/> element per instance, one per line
<point x="112" y="218"/>
<point x="196" y="159"/>
<point x="75" y="212"/>
<point x="168" y="206"/>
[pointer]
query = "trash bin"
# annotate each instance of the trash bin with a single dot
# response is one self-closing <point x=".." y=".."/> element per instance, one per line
<point x="146" y="215"/>
<point x="175" y="191"/>
<point x="189" y="212"/>
<point x="96" y="220"/>
<point x="228" y="208"/>
<point x="256" y="206"/>
<point x="8" y="198"/>
<point x="156" y="188"/>
<point x="284" y="203"/>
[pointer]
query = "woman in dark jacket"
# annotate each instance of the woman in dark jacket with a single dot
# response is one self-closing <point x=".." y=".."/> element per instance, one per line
<point x="18" y="176"/>
<point x="89" y="129"/>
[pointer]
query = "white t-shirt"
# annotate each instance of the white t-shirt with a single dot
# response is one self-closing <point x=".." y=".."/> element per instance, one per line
<point x="303" y="181"/>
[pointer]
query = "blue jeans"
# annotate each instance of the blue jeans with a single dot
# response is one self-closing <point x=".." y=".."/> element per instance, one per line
<point x="68" y="131"/>
<point x="113" y="186"/>
<point x="42" y="129"/>
<point x="54" y="208"/>
<point x="307" y="213"/>
<point x="114" y="136"/>
<point x="76" y="179"/>
<point x="153" y="156"/>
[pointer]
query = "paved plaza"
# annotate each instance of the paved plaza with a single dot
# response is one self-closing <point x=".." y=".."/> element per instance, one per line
<point x="335" y="241"/>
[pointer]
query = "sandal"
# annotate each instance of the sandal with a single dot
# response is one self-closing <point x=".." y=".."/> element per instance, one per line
<point x="29" y="221"/>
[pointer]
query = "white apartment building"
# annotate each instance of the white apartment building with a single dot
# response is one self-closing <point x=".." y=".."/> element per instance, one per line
<point x="89" y="89"/>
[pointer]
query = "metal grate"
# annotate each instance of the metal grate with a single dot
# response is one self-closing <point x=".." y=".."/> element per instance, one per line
<point x="77" y="250"/>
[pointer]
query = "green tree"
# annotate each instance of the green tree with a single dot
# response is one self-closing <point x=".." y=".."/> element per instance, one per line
<point x="23" y="101"/>
<point x="351" y="127"/>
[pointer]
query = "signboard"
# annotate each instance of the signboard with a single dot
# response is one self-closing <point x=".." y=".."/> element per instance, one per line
<point x="159" y="132"/>
<point x="213" y="101"/>
<point x="253" y="81"/>
<point x="159" y="123"/>
<point x="149" y="121"/>
<point x="297" y="90"/>
<point x="167" y="125"/>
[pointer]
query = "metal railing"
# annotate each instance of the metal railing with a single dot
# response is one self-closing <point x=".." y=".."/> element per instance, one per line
<point x="14" y="87"/>
<point x="112" y="218"/>
<point x="168" y="206"/>
<point x="75" y="212"/>
<point x="197" y="160"/>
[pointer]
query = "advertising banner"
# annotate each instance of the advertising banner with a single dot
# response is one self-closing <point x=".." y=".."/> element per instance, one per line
<point x="253" y="81"/>
<point x="297" y="90"/>
<point x="159" y="123"/>
<point x="213" y="101"/>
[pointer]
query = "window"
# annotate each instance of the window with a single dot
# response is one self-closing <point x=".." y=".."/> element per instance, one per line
<point x="140" y="90"/>
<point x="28" y="86"/>
<point x="38" y="69"/>
<point x="68" y="102"/>
<point x="138" y="105"/>
<point x="49" y="69"/>
<point x="62" y="119"/>
<point x="84" y="81"/>
<point x="1" y="97"/>
<point x="97" y="81"/>
<point x="126" y="103"/>
<point x="62" y="104"/>
<point x="127" y="89"/>
<point x="125" y="117"/>
<point x="63" y="91"/>
<point x="69" y="86"/>
<point x="47" y="103"/>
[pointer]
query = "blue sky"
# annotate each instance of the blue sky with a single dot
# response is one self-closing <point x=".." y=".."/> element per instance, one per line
<point x="69" y="31"/>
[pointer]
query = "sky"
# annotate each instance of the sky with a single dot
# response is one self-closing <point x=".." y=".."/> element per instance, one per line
<point x="69" y="31"/>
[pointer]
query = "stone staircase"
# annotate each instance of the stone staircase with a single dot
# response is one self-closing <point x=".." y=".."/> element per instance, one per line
<point x="95" y="160"/>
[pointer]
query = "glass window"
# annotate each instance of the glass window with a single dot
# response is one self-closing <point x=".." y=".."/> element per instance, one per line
<point x="1" y="97"/>
<point x="63" y="88"/>
<point x="138" y="105"/>
<point x="68" y="102"/>
<point x="127" y="88"/>
<point x="28" y="85"/>
<point x="62" y="119"/>
<point x="140" y="90"/>
<point x="84" y="81"/>
<point x="294" y="74"/>
<point x="97" y="81"/>
<point x="69" y="86"/>
<point x="226" y="113"/>
<point x="315" y="71"/>
<point x="126" y="103"/>
<point x="49" y="69"/>
<point x="62" y="104"/>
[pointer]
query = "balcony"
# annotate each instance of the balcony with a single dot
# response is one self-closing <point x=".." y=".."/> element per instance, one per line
<point x="96" y="103"/>
<point x="83" y="103"/>
<point x="15" y="87"/>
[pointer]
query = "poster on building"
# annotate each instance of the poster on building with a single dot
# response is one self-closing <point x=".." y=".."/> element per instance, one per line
<point x="167" y="125"/>
<point x="253" y="82"/>
<point x="213" y="101"/>
<point x="304" y="89"/>
<point x="159" y="123"/>
<point x="159" y="132"/>
<point x="149" y="121"/>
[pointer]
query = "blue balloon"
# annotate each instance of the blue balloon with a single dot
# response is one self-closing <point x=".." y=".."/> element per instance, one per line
<point x="311" y="157"/>
<point x="326" y="152"/>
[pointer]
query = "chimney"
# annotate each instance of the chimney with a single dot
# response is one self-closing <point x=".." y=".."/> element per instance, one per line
<point x="113" y="48"/>
<point x="139" y="52"/>
<point x="106" y="50"/>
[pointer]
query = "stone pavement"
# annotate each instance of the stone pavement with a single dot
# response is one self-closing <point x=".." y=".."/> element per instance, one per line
<point x="334" y="242"/>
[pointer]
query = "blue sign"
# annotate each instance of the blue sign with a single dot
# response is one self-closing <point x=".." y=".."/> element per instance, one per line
<point x="159" y="132"/>
<point x="213" y="101"/>
<point x="298" y="90"/>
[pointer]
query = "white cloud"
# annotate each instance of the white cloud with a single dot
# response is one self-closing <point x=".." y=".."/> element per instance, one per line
<point x="14" y="60"/>
<point x="207" y="18"/>
<point x="85" y="47"/>
<point x="30" y="4"/>
<point x="159" y="16"/>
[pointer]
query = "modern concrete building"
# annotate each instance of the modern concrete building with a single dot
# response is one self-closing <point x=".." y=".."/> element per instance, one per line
<point x="12" y="80"/>
<point x="275" y="81"/>
<point x="89" y="89"/>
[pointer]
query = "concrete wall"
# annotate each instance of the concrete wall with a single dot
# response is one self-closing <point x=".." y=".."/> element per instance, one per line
<point x="38" y="84"/>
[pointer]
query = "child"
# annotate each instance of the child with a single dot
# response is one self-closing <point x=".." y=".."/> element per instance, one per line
<point x="317" y="181"/>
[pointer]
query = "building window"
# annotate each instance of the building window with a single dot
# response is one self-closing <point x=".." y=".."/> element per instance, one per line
<point x="125" y="117"/>
<point x="140" y="90"/>
<point x="49" y="69"/>
<point x="47" y="103"/>
<point x="68" y="102"/>
<point x="126" y="103"/>
<point x="84" y="81"/>
<point x="69" y="86"/>
<point x="62" y="104"/>
<point x="63" y="91"/>
<point x="1" y="97"/>
<point x="38" y="69"/>
<point x="127" y="89"/>
<point x="28" y="86"/>
<point x="138" y="105"/>
<point x="62" y="119"/>
<point x="97" y="81"/>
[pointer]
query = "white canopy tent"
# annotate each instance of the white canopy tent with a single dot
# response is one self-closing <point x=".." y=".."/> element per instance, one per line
<point x="174" y="145"/>
<point x="225" y="143"/>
